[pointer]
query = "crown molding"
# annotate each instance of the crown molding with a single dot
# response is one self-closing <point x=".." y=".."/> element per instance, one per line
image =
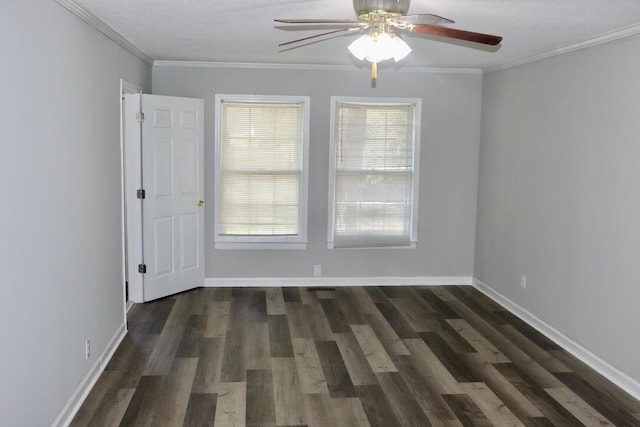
<point x="316" y="67"/>
<point x="622" y="33"/>
<point x="105" y="29"/>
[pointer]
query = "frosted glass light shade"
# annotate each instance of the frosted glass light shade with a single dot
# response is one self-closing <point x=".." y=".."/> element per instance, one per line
<point x="391" y="6"/>
<point x="376" y="49"/>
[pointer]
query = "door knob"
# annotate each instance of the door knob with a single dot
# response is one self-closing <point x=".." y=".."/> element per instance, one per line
<point x="201" y="203"/>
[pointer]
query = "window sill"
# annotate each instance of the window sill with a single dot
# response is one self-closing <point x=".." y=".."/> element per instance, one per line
<point x="260" y="246"/>
<point x="413" y="245"/>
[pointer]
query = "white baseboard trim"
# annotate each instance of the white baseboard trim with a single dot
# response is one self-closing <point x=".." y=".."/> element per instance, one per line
<point x="78" y="397"/>
<point x="614" y="375"/>
<point x="262" y="282"/>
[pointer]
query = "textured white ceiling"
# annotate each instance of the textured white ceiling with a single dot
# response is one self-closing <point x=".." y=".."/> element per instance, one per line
<point x="244" y="31"/>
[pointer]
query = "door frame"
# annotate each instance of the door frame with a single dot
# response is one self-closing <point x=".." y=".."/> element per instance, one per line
<point x="131" y="180"/>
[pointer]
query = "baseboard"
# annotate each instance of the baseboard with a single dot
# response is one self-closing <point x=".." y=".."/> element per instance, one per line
<point x="262" y="282"/>
<point x="78" y="397"/>
<point x="614" y="375"/>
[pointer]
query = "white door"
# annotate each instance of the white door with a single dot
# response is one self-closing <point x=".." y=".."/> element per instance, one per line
<point x="173" y="204"/>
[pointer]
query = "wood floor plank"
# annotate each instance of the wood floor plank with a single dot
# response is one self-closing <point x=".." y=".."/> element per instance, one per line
<point x="396" y="320"/>
<point x="207" y="377"/>
<point x="362" y="300"/>
<point x="587" y="376"/>
<point x="297" y="314"/>
<point x="142" y="410"/>
<point x="404" y="406"/>
<point x="445" y="356"/>
<point x="466" y="410"/>
<point x="231" y="405"/>
<point x="334" y="369"/>
<point x="233" y="368"/>
<point x="503" y="388"/>
<point x="275" y="301"/>
<point x="350" y="309"/>
<point x="257" y="307"/>
<point x="291" y="295"/>
<point x="541" y="356"/>
<point x="450" y="359"/>
<point x="354" y="359"/>
<point x="373" y="349"/>
<point x="318" y="323"/>
<point x="217" y="319"/>
<point x="578" y="407"/>
<point x="491" y="406"/>
<point x="308" y="296"/>
<point x="480" y="343"/>
<point x="309" y="368"/>
<point x="201" y="410"/>
<point x="280" y="337"/>
<point x="164" y="352"/>
<point x="550" y="408"/>
<point x="177" y="389"/>
<point x="113" y="414"/>
<point x="324" y="411"/>
<point x="335" y="316"/>
<point x="260" y="406"/>
<point x="425" y="391"/>
<point x="258" y="352"/>
<point x="417" y="312"/>
<point x="289" y="405"/>
<point x="192" y="336"/>
<point x="431" y="367"/>
<point x="435" y="302"/>
<point x="105" y="402"/>
<point x="387" y="335"/>
<point x="613" y="408"/>
<point x="376" y="406"/>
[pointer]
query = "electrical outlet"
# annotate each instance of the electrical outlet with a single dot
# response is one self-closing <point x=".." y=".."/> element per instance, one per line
<point x="523" y="282"/>
<point x="87" y="349"/>
<point x="317" y="270"/>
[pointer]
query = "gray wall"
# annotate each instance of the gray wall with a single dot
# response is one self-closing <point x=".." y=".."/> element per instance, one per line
<point x="558" y="197"/>
<point x="448" y="170"/>
<point x="60" y="245"/>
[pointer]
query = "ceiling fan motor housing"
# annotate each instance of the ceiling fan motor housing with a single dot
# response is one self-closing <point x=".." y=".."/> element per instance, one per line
<point x="363" y="7"/>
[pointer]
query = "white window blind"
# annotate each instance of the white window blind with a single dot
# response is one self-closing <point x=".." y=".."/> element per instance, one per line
<point x="261" y="171"/>
<point x="375" y="174"/>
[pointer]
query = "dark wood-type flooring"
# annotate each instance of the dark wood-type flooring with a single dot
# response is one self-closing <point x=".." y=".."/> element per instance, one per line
<point x="355" y="356"/>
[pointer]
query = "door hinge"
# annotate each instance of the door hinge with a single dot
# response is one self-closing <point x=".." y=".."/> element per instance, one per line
<point x="141" y="194"/>
<point x="140" y="117"/>
<point x="142" y="268"/>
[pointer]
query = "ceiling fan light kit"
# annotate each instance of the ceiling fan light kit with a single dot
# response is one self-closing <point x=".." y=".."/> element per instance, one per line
<point x="363" y="7"/>
<point x="378" y="48"/>
<point x="380" y="18"/>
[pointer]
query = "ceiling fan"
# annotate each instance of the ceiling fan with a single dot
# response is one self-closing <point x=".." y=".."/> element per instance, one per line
<point x="381" y="19"/>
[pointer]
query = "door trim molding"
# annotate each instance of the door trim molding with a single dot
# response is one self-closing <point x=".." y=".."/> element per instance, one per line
<point x="131" y="206"/>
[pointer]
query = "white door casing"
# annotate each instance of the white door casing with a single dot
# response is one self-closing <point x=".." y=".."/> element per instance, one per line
<point x="173" y="180"/>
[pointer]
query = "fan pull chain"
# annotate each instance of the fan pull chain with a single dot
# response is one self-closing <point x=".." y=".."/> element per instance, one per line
<point x="374" y="70"/>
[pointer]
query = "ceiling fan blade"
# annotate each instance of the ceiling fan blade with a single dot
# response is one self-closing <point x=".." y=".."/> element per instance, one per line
<point x="317" y="35"/>
<point x="313" y="27"/>
<point x="316" y="21"/>
<point x="455" y="34"/>
<point x="423" y="18"/>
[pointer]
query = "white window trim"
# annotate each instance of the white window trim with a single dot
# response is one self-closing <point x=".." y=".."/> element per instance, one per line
<point x="298" y="241"/>
<point x="417" y="120"/>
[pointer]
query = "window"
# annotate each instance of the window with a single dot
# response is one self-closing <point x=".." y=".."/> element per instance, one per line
<point x="261" y="171"/>
<point x="374" y="172"/>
